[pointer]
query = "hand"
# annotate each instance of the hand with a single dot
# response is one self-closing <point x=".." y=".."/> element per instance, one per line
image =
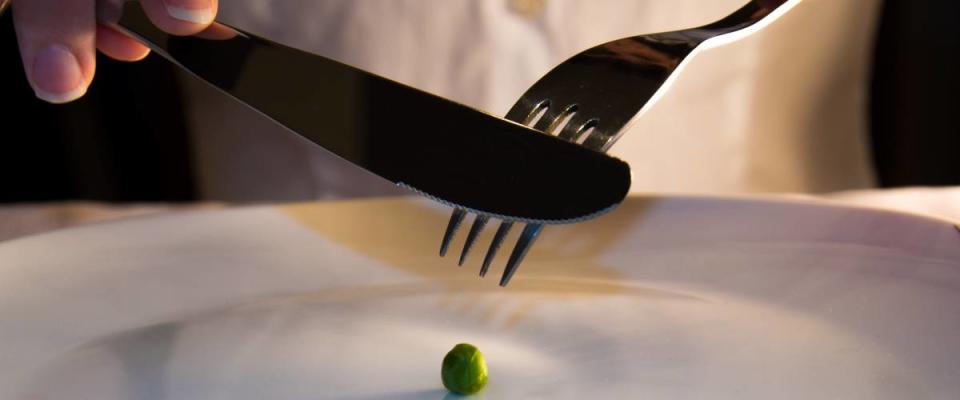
<point x="58" y="38"/>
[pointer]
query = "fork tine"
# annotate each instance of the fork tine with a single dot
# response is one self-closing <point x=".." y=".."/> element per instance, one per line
<point x="526" y="113"/>
<point x="478" y="223"/>
<point x="530" y="233"/>
<point x="549" y="118"/>
<point x="576" y="128"/>
<point x="598" y="141"/>
<point x="455" y="219"/>
<point x="495" y="245"/>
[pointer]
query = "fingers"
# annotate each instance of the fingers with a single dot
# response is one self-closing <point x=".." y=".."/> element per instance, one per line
<point x="56" y="39"/>
<point x="181" y="17"/>
<point x="119" y="46"/>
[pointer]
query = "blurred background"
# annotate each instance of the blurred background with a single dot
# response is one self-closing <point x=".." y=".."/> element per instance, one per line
<point x="147" y="133"/>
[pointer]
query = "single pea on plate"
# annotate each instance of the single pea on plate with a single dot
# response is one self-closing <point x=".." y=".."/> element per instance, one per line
<point x="464" y="370"/>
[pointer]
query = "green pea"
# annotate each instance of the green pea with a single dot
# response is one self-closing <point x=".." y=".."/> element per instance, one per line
<point x="464" y="371"/>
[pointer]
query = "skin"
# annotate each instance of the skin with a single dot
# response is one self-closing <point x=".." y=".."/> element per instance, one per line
<point x="58" y="39"/>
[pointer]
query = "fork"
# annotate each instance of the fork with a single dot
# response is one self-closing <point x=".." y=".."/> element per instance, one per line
<point x="591" y="99"/>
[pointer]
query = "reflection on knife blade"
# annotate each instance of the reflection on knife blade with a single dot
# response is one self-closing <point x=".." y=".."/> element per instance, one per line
<point x="444" y="150"/>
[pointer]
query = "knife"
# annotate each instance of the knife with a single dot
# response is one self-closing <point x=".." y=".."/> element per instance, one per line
<point x="446" y="151"/>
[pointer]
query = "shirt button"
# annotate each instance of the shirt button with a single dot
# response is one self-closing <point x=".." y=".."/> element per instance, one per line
<point x="527" y="8"/>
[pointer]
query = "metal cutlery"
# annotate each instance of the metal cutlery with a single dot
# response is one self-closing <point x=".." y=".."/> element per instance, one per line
<point x="443" y="150"/>
<point x="591" y="100"/>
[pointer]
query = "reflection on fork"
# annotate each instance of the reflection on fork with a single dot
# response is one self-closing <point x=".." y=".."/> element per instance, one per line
<point x="591" y="99"/>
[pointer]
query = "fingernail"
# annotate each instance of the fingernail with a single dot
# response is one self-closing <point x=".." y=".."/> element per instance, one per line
<point x="56" y="75"/>
<point x="197" y="11"/>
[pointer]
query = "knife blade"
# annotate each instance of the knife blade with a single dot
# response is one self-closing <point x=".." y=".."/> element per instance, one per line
<point x="441" y="149"/>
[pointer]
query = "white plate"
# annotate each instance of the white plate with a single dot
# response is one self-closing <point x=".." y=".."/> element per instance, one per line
<point x="665" y="298"/>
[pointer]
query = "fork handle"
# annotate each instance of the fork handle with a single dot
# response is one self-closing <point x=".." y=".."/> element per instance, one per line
<point x="747" y="15"/>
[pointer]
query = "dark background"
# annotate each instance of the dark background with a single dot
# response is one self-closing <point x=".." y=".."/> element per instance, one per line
<point x="915" y="94"/>
<point x="116" y="145"/>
